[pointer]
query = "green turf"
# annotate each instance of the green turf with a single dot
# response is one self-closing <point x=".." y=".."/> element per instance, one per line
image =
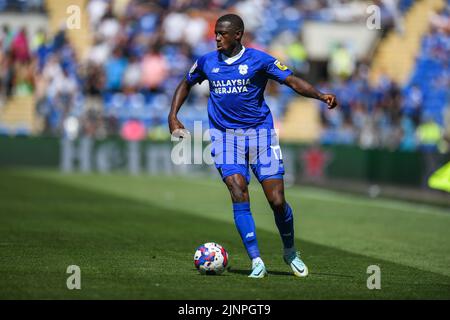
<point x="134" y="238"/>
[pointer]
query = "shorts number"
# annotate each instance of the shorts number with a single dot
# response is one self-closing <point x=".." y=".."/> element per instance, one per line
<point x="277" y="152"/>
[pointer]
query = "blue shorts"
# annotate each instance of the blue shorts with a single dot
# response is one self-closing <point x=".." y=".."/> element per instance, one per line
<point x="234" y="151"/>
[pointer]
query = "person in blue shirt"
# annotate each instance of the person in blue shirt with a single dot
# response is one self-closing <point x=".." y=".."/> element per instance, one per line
<point x="242" y="131"/>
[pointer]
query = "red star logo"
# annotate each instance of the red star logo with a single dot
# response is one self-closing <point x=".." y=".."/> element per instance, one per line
<point x="315" y="161"/>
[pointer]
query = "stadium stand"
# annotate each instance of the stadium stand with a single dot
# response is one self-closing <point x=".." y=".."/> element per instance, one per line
<point x="126" y="60"/>
<point x="389" y="112"/>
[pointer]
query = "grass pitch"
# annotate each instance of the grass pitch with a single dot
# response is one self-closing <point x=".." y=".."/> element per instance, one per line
<point x="134" y="238"/>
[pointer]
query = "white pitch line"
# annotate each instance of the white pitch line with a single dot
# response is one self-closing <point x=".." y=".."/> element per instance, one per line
<point x="330" y="196"/>
<point x="375" y="203"/>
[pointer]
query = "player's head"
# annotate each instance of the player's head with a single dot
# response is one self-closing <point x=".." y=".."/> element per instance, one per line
<point x="229" y="30"/>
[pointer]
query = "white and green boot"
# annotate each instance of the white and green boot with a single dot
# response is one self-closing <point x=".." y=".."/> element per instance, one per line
<point x="292" y="258"/>
<point x="258" y="269"/>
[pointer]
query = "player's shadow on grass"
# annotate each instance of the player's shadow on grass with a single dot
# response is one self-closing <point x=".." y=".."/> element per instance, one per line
<point x="284" y="273"/>
<point x="270" y="272"/>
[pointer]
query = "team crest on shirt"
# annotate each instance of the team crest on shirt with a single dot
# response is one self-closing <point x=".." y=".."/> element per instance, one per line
<point x="280" y="66"/>
<point x="243" y="69"/>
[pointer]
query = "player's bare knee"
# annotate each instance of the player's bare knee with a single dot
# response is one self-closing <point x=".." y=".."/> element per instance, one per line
<point x="238" y="188"/>
<point x="277" y="203"/>
<point x="239" y="193"/>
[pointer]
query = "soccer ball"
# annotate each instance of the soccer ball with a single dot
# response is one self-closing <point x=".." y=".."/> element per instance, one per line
<point x="211" y="258"/>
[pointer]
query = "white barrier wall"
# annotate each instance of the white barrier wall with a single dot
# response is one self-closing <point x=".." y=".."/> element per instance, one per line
<point x="319" y="38"/>
<point x="31" y="21"/>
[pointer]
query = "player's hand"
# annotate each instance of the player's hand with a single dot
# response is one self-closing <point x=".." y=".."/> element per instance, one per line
<point x="330" y="100"/>
<point x="177" y="128"/>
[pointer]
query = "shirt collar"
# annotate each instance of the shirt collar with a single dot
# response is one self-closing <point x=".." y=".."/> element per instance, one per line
<point x="230" y="60"/>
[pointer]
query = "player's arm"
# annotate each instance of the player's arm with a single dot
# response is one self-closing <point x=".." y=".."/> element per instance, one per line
<point x="178" y="99"/>
<point x="307" y="90"/>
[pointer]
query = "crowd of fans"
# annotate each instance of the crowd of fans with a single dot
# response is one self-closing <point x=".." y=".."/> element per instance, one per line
<point x="22" y="6"/>
<point x="141" y="50"/>
<point x="387" y="115"/>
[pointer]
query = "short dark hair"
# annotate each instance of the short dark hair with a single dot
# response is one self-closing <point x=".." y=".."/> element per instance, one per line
<point x="234" y="20"/>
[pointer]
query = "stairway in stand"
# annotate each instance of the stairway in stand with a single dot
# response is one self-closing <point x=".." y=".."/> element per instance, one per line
<point x="18" y="117"/>
<point x="59" y="11"/>
<point x="301" y="121"/>
<point x="396" y="53"/>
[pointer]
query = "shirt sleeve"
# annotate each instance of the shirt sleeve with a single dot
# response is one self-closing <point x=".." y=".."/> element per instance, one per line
<point x="196" y="74"/>
<point x="275" y="70"/>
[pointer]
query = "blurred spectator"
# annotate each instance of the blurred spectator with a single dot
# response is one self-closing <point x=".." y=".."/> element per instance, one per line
<point x="6" y="36"/>
<point x="114" y="70"/>
<point x="342" y="63"/>
<point x="252" y="12"/>
<point x="98" y="53"/>
<point x="174" y="26"/>
<point x="408" y="141"/>
<point x="368" y="138"/>
<point x="428" y="134"/>
<point x="429" y="138"/>
<point x="24" y="80"/>
<point x="154" y="69"/>
<point x="413" y="102"/>
<point x="441" y="21"/>
<point x="19" y="47"/>
<point x="297" y="57"/>
<point x="196" y="28"/>
<point x="62" y="91"/>
<point x="132" y="76"/>
<point x="39" y="39"/>
<point x="445" y="146"/>
<point x="7" y="74"/>
<point x="346" y="133"/>
<point x="109" y="26"/>
<point x="96" y="10"/>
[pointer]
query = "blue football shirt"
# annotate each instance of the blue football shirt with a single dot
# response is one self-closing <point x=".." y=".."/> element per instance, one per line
<point x="237" y="86"/>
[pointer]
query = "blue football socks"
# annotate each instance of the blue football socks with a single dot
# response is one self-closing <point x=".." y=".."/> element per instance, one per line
<point x="246" y="226"/>
<point x="285" y="224"/>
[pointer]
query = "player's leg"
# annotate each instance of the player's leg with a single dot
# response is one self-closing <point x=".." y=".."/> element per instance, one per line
<point x="284" y="219"/>
<point x="267" y="165"/>
<point x="229" y="153"/>
<point x="266" y="161"/>
<point x="274" y="191"/>
<point x="237" y="184"/>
